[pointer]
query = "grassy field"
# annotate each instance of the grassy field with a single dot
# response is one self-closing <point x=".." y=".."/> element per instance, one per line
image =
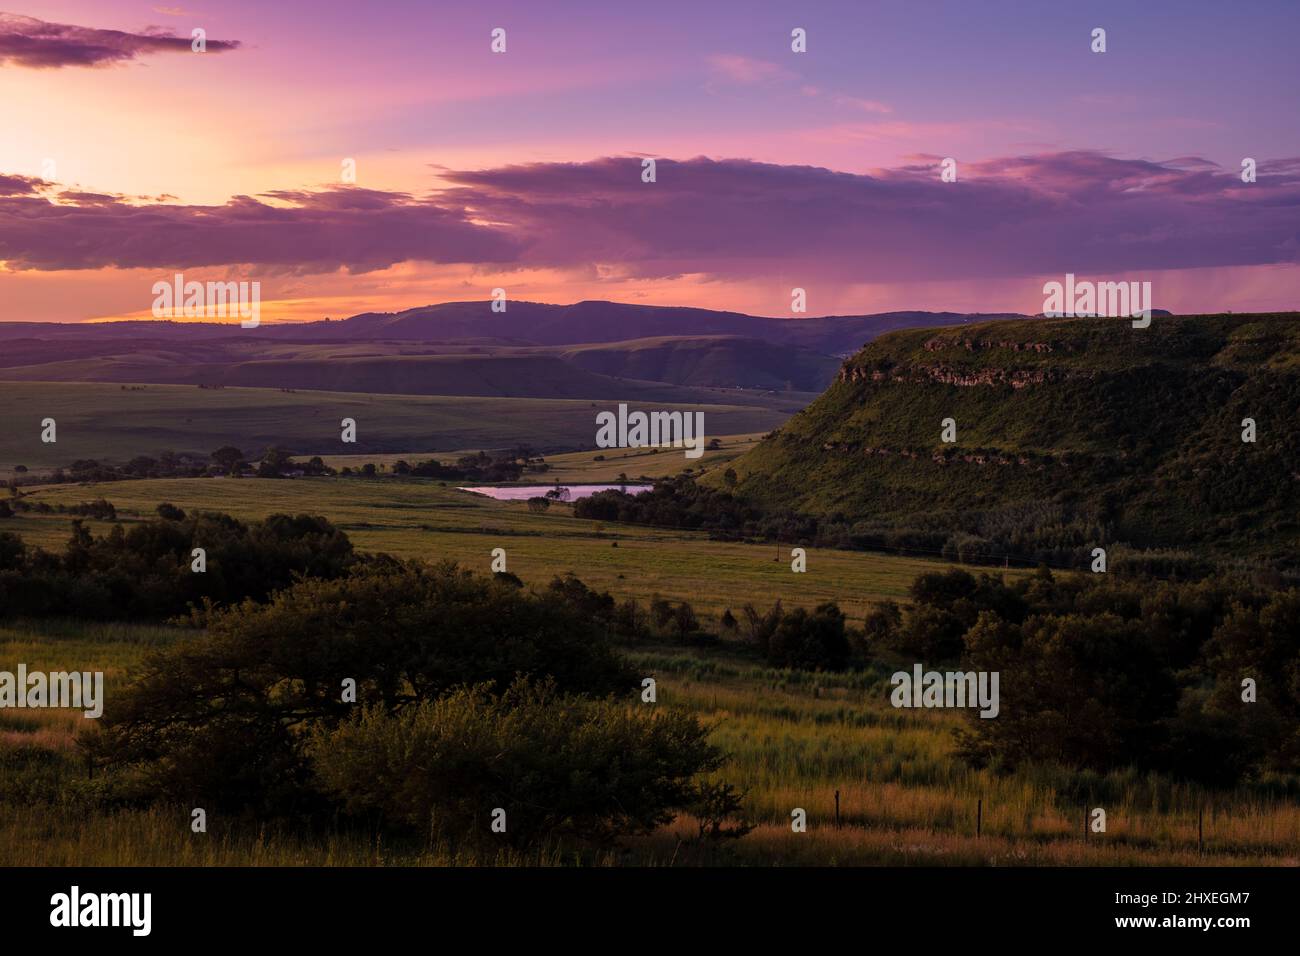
<point x="795" y="739"/>
<point x="425" y="519"/>
<point x="116" y="423"/>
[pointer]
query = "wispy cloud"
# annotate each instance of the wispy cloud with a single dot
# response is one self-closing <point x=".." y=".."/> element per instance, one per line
<point x="734" y="70"/>
<point x="37" y="44"/>
<point x="747" y="70"/>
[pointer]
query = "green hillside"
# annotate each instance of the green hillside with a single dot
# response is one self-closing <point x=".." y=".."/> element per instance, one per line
<point x="1070" y="434"/>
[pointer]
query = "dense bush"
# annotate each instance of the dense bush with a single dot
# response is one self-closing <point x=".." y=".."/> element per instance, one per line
<point x="559" y="765"/>
<point x="799" y="639"/>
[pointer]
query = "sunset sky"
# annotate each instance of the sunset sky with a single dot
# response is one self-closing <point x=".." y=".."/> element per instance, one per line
<point x="125" y="157"/>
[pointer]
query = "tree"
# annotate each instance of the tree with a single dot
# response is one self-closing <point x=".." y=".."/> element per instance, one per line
<point x="713" y="804"/>
<point x="275" y="462"/>
<point x="685" y="623"/>
<point x="815" y="641"/>
<point x="169" y="512"/>
<point x="222" y="719"/>
<point x="881" y="623"/>
<point x="228" y="457"/>
<point x="12" y="551"/>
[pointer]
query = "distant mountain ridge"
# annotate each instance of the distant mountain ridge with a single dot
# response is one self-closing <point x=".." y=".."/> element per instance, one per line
<point x="584" y="350"/>
<point x="529" y="323"/>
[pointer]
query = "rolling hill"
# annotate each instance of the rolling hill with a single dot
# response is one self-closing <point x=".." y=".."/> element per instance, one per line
<point x="585" y="322"/>
<point x="1070" y="434"/>
<point x="586" y="350"/>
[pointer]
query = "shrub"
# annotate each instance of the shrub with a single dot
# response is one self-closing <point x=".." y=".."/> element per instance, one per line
<point x="559" y="765"/>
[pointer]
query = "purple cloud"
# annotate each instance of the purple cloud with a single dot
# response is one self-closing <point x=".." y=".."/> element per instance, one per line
<point x="20" y="185"/>
<point x="305" y="232"/>
<point x="36" y="44"/>
<point x="1081" y="212"/>
<point x="1029" y="215"/>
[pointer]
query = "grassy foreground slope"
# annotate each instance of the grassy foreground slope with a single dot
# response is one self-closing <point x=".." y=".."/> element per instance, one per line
<point x="796" y="740"/>
<point x="1069" y="434"/>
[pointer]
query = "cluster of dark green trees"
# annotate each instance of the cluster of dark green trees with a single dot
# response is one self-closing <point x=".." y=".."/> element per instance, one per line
<point x="799" y="639"/>
<point x="680" y="502"/>
<point x="1023" y="533"/>
<point x="279" y="462"/>
<point x="145" y="573"/>
<point x="506" y="466"/>
<point x="1200" y="680"/>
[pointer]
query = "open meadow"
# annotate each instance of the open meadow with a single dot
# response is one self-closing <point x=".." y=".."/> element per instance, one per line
<point x="417" y="518"/>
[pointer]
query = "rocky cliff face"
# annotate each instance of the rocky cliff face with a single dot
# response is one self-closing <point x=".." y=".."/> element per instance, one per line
<point x="949" y="375"/>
